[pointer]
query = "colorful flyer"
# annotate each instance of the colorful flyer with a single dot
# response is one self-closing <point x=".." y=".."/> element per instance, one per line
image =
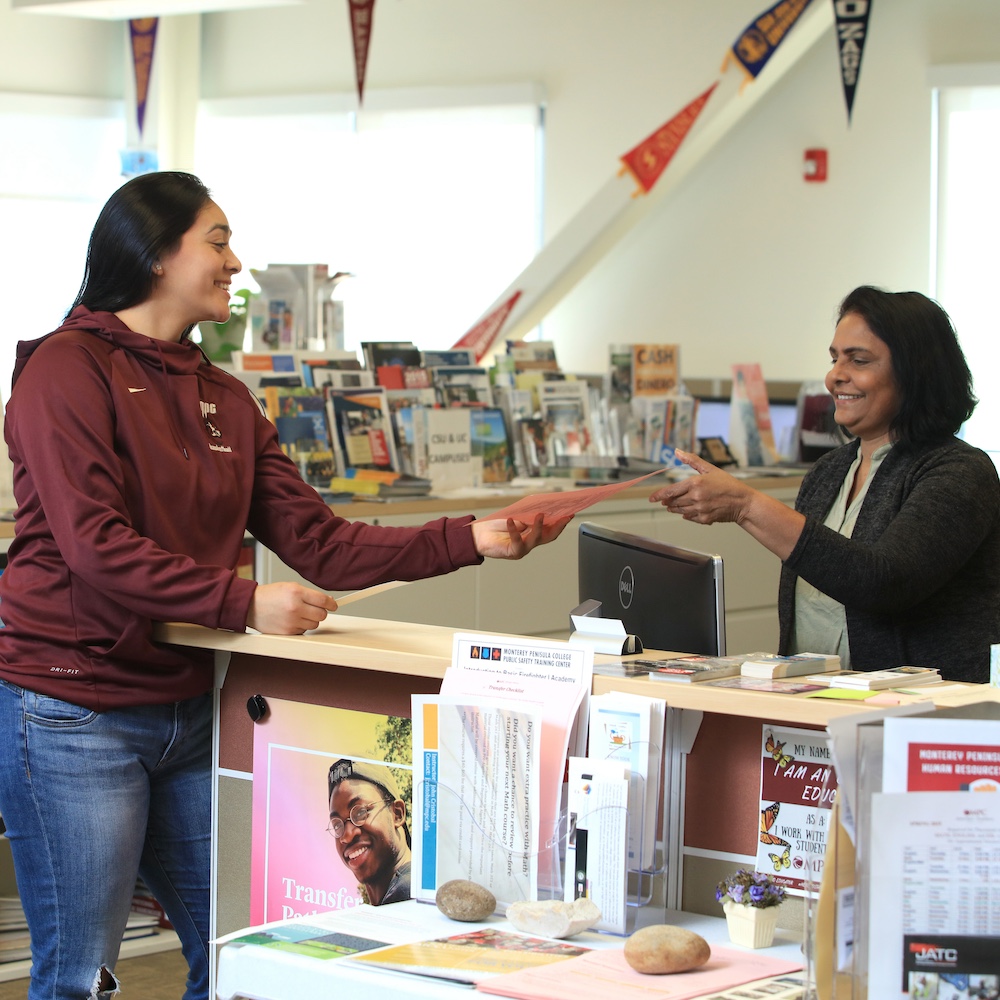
<point x="797" y="789"/>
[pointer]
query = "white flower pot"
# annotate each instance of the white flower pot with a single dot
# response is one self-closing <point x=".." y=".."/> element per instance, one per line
<point x="751" y="926"/>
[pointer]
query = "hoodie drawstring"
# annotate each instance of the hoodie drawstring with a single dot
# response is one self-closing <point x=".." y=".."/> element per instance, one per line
<point x="175" y="433"/>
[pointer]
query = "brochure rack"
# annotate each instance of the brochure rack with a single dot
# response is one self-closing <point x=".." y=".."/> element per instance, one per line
<point x="905" y="905"/>
<point x="492" y="851"/>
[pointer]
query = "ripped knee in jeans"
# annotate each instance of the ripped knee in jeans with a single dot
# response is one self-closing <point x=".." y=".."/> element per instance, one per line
<point x="105" y="985"/>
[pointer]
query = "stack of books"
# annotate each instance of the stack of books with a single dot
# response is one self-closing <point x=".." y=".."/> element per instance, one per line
<point x="691" y="669"/>
<point x="772" y="665"/>
<point x="878" y="680"/>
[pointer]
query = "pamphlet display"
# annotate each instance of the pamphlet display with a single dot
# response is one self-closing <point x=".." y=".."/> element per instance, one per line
<point x="490" y="754"/>
<point x="629" y="728"/>
<point x="911" y="902"/>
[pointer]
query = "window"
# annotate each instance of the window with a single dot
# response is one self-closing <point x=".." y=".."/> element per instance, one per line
<point x="968" y="220"/>
<point x="59" y="163"/>
<point x="433" y="209"/>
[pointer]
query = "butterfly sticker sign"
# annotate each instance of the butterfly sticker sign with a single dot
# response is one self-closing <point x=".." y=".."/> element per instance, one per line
<point x="797" y="788"/>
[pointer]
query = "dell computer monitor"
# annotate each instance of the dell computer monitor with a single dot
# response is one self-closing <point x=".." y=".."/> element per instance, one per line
<point x="671" y="598"/>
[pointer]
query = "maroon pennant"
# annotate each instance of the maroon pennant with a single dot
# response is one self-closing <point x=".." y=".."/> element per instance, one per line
<point x="142" y="31"/>
<point x="481" y="337"/>
<point x="852" y="30"/>
<point x="362" y="13"/>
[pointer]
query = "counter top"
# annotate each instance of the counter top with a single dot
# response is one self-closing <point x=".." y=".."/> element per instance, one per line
<point x="426" y="650"/>
<point x="363" y="643"/>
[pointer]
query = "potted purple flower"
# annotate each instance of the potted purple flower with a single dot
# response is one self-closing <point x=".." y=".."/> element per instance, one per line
<point x="750" y="900"/>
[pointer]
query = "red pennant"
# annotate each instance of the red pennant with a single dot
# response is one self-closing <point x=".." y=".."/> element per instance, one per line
<point x="362" y="14"/>
<point x="480" y="338"/>
<point x="142" y="31"/>
<point x="650" y="158"/>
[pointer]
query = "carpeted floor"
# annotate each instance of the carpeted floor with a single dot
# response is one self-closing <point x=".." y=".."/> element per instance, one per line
<point x="160" y="976"/>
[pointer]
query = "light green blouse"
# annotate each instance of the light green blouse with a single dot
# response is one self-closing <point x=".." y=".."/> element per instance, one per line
<point x="820" y="624"/>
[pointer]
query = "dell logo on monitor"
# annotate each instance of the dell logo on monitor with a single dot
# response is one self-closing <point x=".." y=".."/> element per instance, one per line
<point x="626" y="587"/>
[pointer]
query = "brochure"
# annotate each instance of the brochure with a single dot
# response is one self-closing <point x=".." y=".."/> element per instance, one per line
<point x="475" y="795"/>
<point x="597" y="846"/>
<point x="554" y="678"/>
<point x="934" y="864"/>
<point x="925" y="753"/>
<point x="470" y="957"/>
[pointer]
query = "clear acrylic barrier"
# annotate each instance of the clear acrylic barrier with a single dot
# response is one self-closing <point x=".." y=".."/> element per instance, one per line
<point x="491" y="850"/>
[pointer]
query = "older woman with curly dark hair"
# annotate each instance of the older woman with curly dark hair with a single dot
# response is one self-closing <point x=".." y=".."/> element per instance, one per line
<point x="892" y="553"/>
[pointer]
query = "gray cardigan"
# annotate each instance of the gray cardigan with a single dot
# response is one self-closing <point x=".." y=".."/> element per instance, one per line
<point x="920" y="578"/>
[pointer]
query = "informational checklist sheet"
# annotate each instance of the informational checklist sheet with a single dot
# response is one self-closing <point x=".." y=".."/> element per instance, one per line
<point x="935" y="892"/>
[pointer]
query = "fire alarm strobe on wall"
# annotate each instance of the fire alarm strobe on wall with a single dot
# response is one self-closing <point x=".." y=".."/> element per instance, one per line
<point x="815" y="166"/>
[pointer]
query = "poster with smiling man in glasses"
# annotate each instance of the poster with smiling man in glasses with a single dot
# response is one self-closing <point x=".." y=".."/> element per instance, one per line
<point x="368" y="821"/>
<point x="330" y="810"/>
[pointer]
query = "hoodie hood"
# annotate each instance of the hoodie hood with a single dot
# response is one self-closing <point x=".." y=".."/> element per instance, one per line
<point x="182" y="358"/>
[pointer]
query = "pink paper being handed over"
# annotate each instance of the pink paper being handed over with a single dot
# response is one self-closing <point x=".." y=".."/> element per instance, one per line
<point x="565" y="503"/>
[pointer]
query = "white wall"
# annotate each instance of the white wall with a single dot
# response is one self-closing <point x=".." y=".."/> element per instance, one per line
<point x="747" y="261"/>
<point x="60" y="55"/>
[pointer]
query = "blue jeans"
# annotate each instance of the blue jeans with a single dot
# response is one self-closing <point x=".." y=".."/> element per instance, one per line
<point x="90" y="800"/>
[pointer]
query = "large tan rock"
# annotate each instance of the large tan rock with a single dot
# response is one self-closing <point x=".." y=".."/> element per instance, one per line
<point x="552" y="918"/>
<point x="664" y="948"/>
<point x="464" y="900"/>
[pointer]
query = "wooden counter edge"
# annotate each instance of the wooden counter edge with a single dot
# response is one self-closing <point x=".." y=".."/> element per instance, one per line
<point x="426" y="651"/>
<point x="364" y="643"/>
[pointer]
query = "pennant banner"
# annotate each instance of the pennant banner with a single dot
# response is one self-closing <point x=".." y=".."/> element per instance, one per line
<point x="761" y="38"/>
<point x="362" y="14"/>
<point x="142" y="31"/>
<point x="650" y="158"/>
<point x="852" y="30"/>
<point x="481" y="337"/>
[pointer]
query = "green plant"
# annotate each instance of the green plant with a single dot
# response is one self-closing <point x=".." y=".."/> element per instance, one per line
<point x="749" y="888"/>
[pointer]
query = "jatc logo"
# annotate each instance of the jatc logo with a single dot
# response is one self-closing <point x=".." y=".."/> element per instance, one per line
<point x="933" y="955"/>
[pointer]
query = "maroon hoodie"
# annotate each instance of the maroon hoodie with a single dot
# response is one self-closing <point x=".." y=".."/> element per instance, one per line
<point x="138" y="466"/>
